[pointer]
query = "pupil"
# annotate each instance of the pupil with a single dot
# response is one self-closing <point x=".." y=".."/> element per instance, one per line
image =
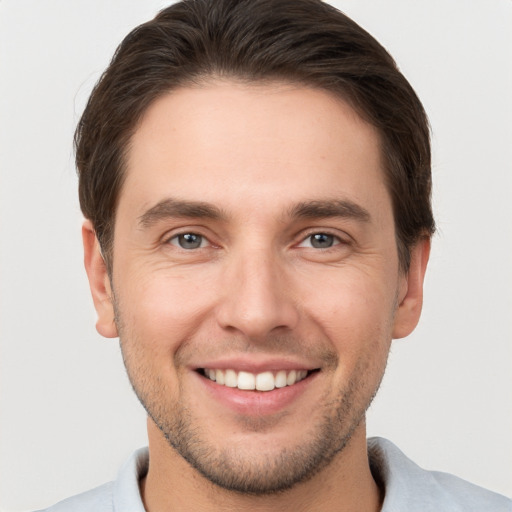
<point x="190" y="241"/>
<point x="322" y="240"/>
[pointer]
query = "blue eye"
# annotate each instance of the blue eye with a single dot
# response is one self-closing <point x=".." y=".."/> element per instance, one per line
<point x="320" y="241"/>
<point x="188" y="241"/>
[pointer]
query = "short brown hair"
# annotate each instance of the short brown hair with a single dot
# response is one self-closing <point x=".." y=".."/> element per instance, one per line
<point x="298" y="41"/>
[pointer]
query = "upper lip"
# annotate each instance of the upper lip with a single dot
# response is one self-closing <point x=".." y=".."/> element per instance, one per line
<point x="254" y="364"/>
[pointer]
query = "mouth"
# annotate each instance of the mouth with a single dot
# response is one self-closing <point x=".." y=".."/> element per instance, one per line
<point x="247" y="381"/>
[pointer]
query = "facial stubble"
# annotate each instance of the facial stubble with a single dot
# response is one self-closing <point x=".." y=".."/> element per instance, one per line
<point x="228" y="467"/>
<point x="278" y="471"/>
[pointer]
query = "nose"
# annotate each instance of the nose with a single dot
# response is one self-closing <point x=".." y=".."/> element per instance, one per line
<point x="257" y="298"/>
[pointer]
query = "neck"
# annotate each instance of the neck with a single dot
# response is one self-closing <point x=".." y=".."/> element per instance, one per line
<point x="346" y="484"/>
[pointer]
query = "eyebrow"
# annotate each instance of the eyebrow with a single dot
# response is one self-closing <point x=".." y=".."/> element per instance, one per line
<point x="330" y="208"/>
<point x="171" y="207"/>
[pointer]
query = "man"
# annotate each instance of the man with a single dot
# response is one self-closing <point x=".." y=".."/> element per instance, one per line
<point x="255" y="177"/>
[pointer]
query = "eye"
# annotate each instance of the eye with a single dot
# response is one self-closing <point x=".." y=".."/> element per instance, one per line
<point x="320" y="241"/>
<point x="189" y="241"/>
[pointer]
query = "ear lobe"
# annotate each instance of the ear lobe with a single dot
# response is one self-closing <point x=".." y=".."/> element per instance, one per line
<point x="411" y="296"/>
<point x="99" y="282"/>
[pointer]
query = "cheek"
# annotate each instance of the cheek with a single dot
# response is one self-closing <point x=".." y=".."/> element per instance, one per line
<point x="354" y="309"/>
<point x="163" y="310"/>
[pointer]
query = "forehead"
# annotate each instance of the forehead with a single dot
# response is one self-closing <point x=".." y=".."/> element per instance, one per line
<point x="252" y="145"/>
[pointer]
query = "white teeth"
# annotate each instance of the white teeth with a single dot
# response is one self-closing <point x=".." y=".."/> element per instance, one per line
<point x="246" y="380"/>
<point x="291" y="378"/>
<point x="265" y="381"/>
<point x="230" y="379"/>
<point x="219" y="376"/>
<point x="280" y="380"/>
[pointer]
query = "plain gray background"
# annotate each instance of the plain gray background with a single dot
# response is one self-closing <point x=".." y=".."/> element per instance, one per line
<point x="68" y="416"/>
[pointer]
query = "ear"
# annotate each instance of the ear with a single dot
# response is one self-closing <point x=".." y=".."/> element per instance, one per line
<point x="99" y="282"/>
<point x="411" y="291"/>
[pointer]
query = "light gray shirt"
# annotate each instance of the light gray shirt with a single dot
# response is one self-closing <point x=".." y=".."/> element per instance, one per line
<point x="408" y="488"/>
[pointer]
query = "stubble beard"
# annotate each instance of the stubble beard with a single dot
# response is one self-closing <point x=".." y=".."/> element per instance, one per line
<point x="229" y="469"/>
<point x="271" y="473"/>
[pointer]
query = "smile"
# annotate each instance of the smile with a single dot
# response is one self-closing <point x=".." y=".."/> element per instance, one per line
<point x="265" y="381"/>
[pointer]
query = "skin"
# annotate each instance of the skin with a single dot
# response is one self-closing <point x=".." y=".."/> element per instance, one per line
<point x="256" y="293"/>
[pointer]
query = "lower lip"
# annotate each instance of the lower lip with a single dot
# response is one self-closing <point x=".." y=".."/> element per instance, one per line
<point x="257" y="403"/>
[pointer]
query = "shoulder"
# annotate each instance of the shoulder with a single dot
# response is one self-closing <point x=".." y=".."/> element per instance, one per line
<point x="121" y="495"/>
<point x="97" y="500"/>
<point x="411" y="488"/>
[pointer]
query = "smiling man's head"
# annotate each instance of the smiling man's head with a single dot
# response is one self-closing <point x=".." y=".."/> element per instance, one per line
<point x="257" y="175"/>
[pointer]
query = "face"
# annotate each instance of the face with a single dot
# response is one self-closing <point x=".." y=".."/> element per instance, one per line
<point x="255" y="277"/>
